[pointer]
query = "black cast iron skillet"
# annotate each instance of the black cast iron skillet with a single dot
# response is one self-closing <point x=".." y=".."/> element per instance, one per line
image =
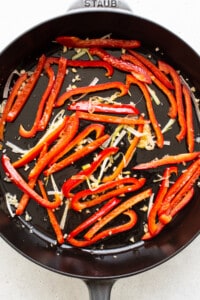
<point x="99" y="268"/>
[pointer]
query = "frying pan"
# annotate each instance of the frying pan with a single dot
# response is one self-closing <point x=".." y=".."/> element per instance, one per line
<point x="141" y="256"/>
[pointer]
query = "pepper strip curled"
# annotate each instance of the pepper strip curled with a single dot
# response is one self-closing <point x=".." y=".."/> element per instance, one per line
<point x="107" y="232"/>
<point x="153" y="224"/>
<point x="16" y="178"/>
<point x="137" y="71"/>
<point x="85" y="64"/>
<point x="121" y="208"/>
<point x="62" y="65"/>
<point x="122" y="186"/>
<point x="90" y="89"/>
<point x="31" y="132"/>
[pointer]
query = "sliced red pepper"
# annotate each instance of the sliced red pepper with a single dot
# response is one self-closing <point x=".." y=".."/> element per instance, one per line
<point x="137" y="71"/>
<point x="107" y="232"/>
<point x="23" y="202"/>
<point x="174" y="211"/>
<point x="121" y="208"/>
<point x="67" y="135"/>
<point x="75" y="180"/>
<point x="52" y="217"/>
<point x="16" y="178"/>
<point x="178" y="94"/>
<point x="85" y="64"/>
<point x="62" y="65"/>
<point x="189" y="119"/>
<point x="179" y="190"/>
<point x="153" y="68"/>
<point x="91" y="89"/>
<point x="153" y="224"/>
<point x="92" y="146"/>
<point x="11" y="98"/>
<point x="167" y="160"/>
<point x="95" y="106"/>
<point x="131" y="80"/>
<point x="126" y="157"/>
<point x="34" y="152"/>
<point x="99" y="131"/>
<point x="122" y="186"/>
<point x="173" y="106"/>
<point x="26" y="91"/>
<point x="75" y="42"/>
<point x="111" y="119"/>
<point x="94" y="217"/>
<point x="30" y="133"/>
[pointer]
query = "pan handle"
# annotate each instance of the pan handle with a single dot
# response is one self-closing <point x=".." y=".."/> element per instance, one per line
<point x="99" y="289"/>
<point x="99" y="4"/>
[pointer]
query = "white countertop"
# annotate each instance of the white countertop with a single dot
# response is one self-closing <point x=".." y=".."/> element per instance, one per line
<point x="178" y="278"/>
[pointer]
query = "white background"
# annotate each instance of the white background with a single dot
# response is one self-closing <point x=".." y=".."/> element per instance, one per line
<point x="178" y="278"/>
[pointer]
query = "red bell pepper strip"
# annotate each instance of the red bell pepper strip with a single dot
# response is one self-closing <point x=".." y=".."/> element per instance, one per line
<point x="108" y="206"/>
<point x="26" y="91"/>
<point x="122" y="186"/>
<point x="95" y="106"/>
<point x="137" y="71"/>
<point x="91" y="89"/>
<point x="85" y="64"/>
<point x="52" y="217"/>
<point x="168" y="219"/>
<point x="159" y="136"/>
<point x="178" y="94"/>
<point x="30" y="133"/>
<point x="126" y="157"/>
<point x="75" y="42"/>
<point x="167" y="160"/>
<point x="189" y="119"/>
<point x="35" y="150"/>
<point x="153" y="68"/>
<point x="178" y="190"/>
<point x="110" y="119"/>
<point x="99" y="131"/>
<point x="107" y="232"/>
<point x="16" y="178"/>
<point x="11" y="98"/>
<point x="77" y="179"/>
<point x="173" y="106"/>
<point x="67" y="135"/>
<point x="121" y="208"/>
<point x="152" y="217"/>
<point x="92" y="146"/>
<point x="23" y="202"/>
<point x="62" y="65"/>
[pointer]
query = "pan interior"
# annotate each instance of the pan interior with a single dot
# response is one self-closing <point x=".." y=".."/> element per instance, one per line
<point x="134" y="256"/>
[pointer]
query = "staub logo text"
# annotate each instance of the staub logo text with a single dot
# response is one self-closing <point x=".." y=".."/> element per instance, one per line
<point x="100" y="3"/>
